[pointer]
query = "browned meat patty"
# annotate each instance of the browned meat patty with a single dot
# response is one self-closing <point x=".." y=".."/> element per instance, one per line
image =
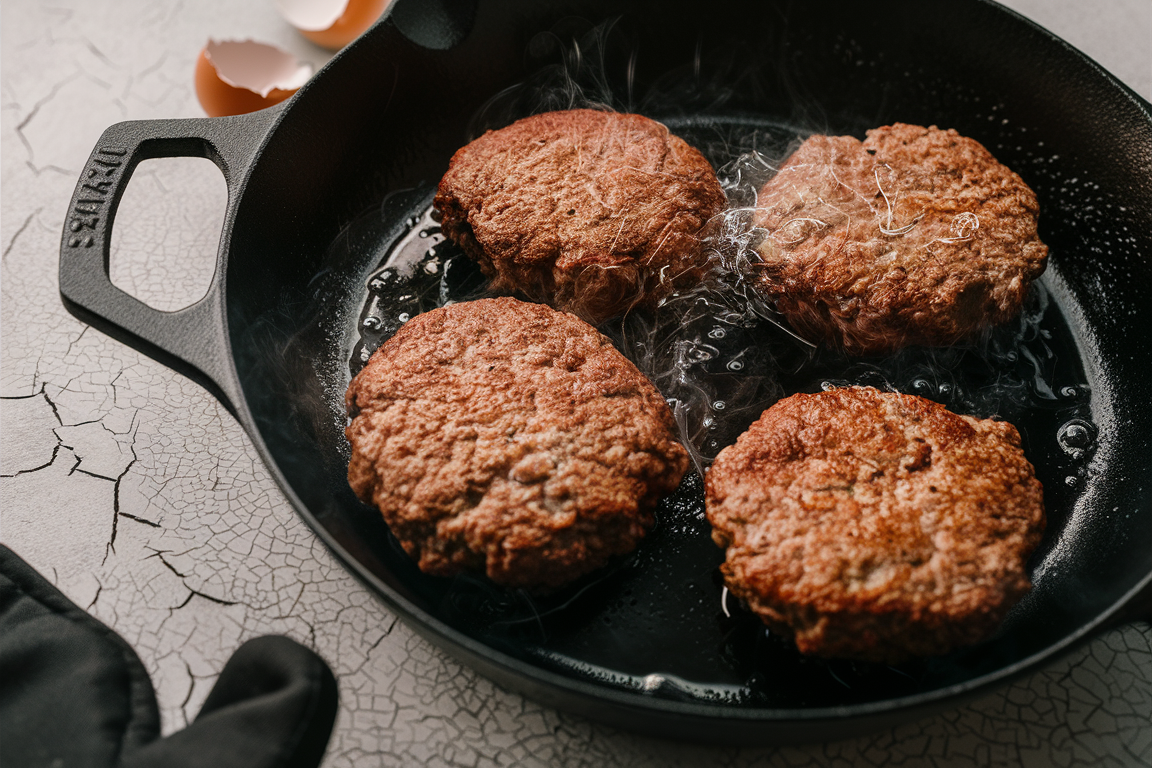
<point x="588" y="211"/>
<point x="875" y="526"/>
<point x="915" y="236"/>
<point x="510" y="438"/>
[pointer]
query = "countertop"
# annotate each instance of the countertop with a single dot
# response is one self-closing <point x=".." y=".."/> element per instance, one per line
<point x="140" y="497"/>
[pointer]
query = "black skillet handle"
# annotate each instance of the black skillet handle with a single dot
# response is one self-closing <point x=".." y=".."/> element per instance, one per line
<point x="193" y="340"/>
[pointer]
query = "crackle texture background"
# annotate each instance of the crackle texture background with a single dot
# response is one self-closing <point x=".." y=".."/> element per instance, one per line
<point x="140" y="497"/>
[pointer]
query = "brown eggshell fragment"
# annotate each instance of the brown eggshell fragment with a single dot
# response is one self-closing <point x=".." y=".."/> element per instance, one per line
<point x="332" y="23"/>
<point x="234" y="77"/>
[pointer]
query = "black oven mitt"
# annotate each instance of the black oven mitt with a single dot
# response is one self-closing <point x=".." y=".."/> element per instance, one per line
<point x="73" y="693"/>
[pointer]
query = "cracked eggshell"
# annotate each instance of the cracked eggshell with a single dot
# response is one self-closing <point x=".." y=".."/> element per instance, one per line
<point x="238" y="76"/>
<point x="331" y="23"/>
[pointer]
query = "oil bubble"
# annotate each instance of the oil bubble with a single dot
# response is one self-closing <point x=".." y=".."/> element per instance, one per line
<point x="719" y="405"/>
<point x="381" y="281"/>
<point x="1076" y="437"/>
<point x="717" y="333"/>
<point x="404" y="317"/>
<point x="923" y="387"/>
<point x="372" y="322"/>
<point x="735" y="365"/>
<point x="700" y="353"/>
<point x="1069" y="392"/>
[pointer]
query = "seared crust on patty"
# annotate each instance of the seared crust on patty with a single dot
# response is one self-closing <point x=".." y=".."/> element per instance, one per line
<point x="875" y="526"/>
<point x="915" y="236"/>
<point x="588" y="211"/>
<point x="508" y="437"/>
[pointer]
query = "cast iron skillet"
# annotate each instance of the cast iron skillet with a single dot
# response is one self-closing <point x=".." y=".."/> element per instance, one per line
<point x="646" y="646"/>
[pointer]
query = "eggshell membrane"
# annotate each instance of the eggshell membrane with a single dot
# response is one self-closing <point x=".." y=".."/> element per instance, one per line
<point x="219" y="97"/>
<point x="356" y="17"/>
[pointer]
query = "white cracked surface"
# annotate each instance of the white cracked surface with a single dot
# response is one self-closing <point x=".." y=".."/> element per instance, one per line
<point x="132" y="490"/>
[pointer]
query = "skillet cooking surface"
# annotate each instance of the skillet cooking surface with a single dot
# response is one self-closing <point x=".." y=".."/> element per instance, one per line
<point x="645" y="644"/>
<point x="657" y="620"/>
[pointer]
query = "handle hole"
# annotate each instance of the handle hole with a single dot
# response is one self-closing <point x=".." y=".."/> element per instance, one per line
<point x="167" y="232"/>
